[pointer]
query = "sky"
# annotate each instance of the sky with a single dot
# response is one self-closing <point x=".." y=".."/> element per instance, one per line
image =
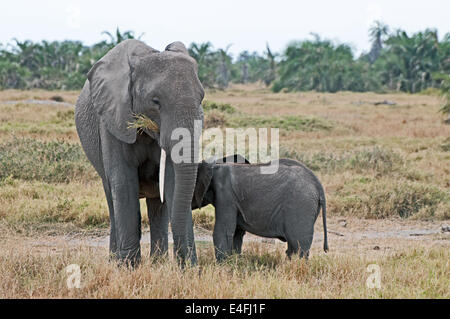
<point x="242" y="24"/>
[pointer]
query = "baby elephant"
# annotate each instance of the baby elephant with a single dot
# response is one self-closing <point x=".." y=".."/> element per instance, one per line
<point x="283" y="205"/>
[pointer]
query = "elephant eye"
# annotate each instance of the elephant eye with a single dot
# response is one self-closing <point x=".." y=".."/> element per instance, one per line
<point x="156" y="101"/>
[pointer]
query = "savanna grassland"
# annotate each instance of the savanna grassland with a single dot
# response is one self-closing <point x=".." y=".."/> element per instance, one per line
<point x="385" y="169"/>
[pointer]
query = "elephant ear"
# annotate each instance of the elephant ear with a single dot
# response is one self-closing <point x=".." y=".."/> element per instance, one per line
<point x="204" y="176"/>
<point x="177" y="47"/>
<point x="110" y="87"/>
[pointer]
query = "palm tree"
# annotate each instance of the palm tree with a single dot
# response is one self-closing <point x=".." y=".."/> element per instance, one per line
<point x="409" y="61"/>
<point x="271" y="74"/>
<point x="316" y="65"/>
<point x="200" y="51"/>
<point x="119" y="37"/>
<point x="445" y="92"/>
<point x="224" y="67"/>
<point x="26" y="53"/>
<point x="203" y="54"/>
<point x="377" y="34"/>
<point x="243" y="62"/>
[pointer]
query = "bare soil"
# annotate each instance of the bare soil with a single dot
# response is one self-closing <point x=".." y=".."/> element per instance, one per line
<point x="344" y="235"/>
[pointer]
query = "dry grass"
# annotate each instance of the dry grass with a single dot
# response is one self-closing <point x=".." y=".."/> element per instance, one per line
<point x="33" y="271"/>
<point x="379" y="164"/>
<point x="412" y="116"/>
<point x="17" y="95"/>
<point x="46" y="122"/>
<point x="142" y="122"/>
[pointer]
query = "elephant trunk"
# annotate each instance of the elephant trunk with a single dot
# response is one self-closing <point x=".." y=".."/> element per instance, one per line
<point x="185" y="173"/>
<point x="185" y="179"/>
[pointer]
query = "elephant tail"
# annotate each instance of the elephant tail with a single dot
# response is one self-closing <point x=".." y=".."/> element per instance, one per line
<point x="323" y="204"/>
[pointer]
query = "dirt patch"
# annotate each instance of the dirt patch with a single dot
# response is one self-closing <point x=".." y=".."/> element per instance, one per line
<point x="359" y="232"/>
<point x="40" y="102"/>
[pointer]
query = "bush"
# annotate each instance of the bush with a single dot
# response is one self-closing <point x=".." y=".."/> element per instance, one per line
<point x="57" y="98"/>
<point x="445" y="146"/>
<point x="385" y="198"/>
<point x="214" y="119"/>
<point x="222" y="107"/>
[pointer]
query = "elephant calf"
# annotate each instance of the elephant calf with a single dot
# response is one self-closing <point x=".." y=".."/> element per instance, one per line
<point x="283" y="205"/>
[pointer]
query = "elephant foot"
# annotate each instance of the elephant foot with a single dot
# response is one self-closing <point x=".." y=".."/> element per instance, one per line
<point x="192" y="255"/>
<point x="186" y="262"/>
<point x="221" y="256"/>
<point x="130" y="259"/>
<point x="157" y="257"/>
<point x="186" y="254"/>
<point x="158" y="250"/>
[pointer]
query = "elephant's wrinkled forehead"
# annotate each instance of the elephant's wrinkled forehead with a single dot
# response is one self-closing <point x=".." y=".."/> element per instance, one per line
<point x="173" y="70"/>
<point x="174" y="63"/>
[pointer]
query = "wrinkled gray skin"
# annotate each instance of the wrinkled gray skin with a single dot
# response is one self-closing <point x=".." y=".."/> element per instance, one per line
<point x="133" y="78"/>
<point x="284" y="205"/>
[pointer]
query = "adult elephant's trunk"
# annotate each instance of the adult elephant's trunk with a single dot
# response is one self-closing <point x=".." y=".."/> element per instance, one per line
<point x="185" y="178"/>
<point x="179" y="141"/>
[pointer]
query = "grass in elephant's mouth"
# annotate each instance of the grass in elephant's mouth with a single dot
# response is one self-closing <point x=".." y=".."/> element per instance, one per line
<point x="142" y="122"/>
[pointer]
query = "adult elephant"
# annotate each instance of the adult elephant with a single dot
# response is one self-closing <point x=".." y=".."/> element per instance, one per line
<point x="133" y="78"/>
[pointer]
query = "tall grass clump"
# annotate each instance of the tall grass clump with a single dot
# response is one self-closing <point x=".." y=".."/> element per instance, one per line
<point x="375" y="159"/>
<point x="445" y="146"/>
<point x="388" y="198"/>
<point x="53" y="161"/>
<point x="222" y="107"/>
<point x="204" y="217"/>
<point x="285" y="122"/>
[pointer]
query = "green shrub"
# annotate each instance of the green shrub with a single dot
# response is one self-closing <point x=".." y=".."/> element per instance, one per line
<point x="445" y="91"/>
<point x="446" y="145"/>
<point x="222" y="107"/>
<point x="64" y="118"/>
<point x="214" y="119"/>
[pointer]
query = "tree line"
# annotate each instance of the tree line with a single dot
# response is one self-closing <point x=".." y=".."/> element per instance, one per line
<point x="397" y="61"/>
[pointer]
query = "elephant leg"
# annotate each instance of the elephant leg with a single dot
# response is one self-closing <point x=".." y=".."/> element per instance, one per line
<point x="299" y="234"/>
<point x="112" y="231"/>
<point x="224" y="228"/>
<point x="238" y="239"/>
<point x="192" y="251"/>
<point x="293" y="248"/>
<point x="158" y="217"/>
<point x="169" y="187"/>
<point x="123" y="181"/>
<point x="127" y="218"/>
<point x="305" y="245"/>
<point x="302" y="245"/>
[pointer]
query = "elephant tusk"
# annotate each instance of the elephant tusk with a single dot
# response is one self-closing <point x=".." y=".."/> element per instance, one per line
<point x="162" y="170"/>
